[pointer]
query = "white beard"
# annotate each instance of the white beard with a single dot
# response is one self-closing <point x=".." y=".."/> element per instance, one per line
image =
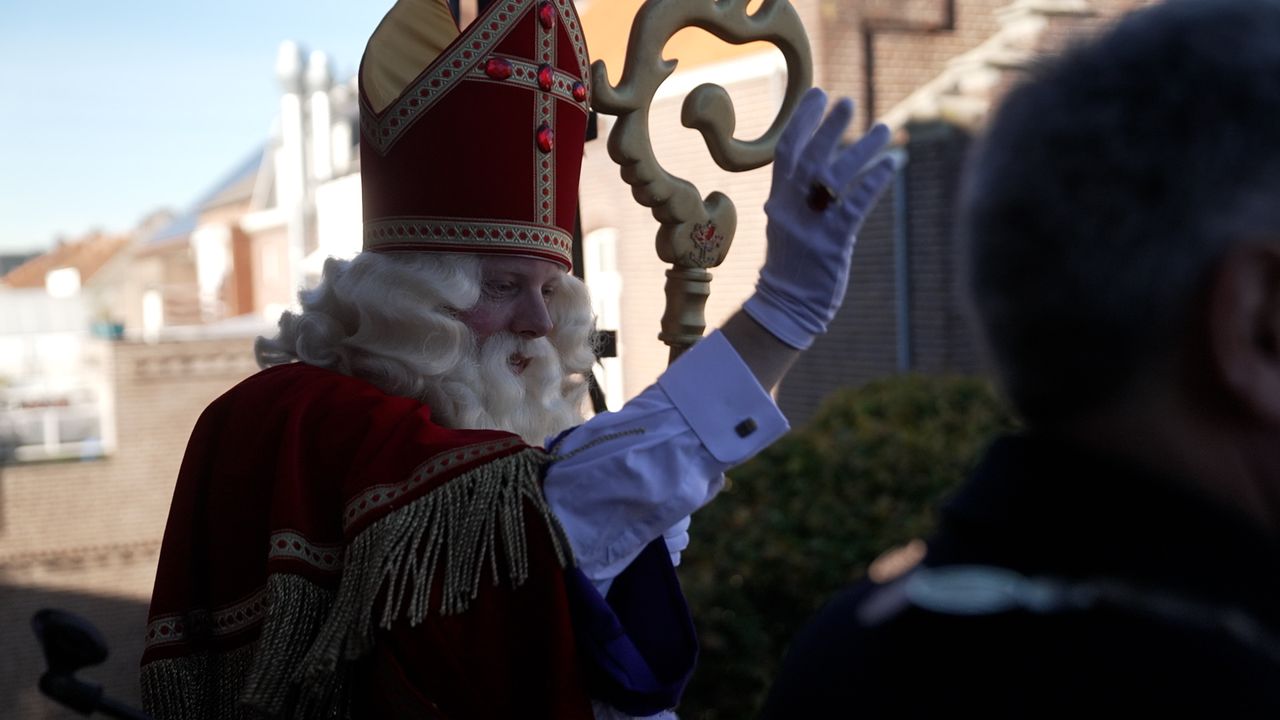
<point x="485" y="391"/>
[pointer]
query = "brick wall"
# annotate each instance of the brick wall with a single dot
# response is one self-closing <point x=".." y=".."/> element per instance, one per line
<point x="85" y="536"/>
<point x="905" y="44"/>
<point x="1065" y="29"/>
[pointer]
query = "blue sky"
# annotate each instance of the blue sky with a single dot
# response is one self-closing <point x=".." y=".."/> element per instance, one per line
<point x="110" y="109"/>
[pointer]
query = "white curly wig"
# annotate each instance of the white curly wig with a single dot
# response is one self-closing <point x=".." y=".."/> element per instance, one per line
<point x="391" y="320"/>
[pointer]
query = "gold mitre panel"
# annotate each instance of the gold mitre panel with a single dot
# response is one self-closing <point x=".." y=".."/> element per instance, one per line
<point x="409" y="38"/>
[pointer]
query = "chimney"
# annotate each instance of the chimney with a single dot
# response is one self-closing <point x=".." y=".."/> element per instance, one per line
<point x="319" y="83"/>
<point x="291" y="160"/>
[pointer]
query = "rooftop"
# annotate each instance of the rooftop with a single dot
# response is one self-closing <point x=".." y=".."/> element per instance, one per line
<point x="87" y="255"/>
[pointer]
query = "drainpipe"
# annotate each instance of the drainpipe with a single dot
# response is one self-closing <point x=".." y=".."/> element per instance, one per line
<point x="319" y="82"/>
<point x="901" y="260"/>
<point x="291" y="160"/>
<point x="873" y="26"/>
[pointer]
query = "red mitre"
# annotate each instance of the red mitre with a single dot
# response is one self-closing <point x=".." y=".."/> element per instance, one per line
<point x="481" y="150"/>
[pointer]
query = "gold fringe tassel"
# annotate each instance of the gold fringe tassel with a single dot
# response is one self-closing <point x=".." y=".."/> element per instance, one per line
<point x="297" y="608"/>
<point x="197" y="687"/>
<point x="453" y="533"/>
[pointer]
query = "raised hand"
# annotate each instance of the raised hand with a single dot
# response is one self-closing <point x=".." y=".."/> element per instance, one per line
<point x="820" y="196"/>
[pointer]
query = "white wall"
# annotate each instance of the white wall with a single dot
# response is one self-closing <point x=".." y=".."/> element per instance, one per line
<point x="339" y="221"/>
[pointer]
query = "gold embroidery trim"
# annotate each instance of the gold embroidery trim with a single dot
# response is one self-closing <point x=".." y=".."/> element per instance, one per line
<point x="171" y="629"/>
<point x="466" y="235"/>
<point x="379" y="496"/>
<point x="293" y="545"/>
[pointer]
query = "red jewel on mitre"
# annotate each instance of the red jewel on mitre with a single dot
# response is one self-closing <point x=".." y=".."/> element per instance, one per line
<point x="498" y="68"/>
<point x="482" y="151"/>
<point x="547" y="14"/>
<point x="546" y="138"/>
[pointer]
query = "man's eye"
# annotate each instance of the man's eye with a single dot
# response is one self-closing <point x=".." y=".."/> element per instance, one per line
<point x="498" y="290"/>
<point x="548" y="291"/>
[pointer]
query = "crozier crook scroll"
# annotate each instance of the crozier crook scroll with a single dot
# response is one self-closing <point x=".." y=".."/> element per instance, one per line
<point x="695" y="234"/>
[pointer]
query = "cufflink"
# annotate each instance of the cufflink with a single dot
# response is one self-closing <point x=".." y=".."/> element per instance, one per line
<point x="746" y="427"/>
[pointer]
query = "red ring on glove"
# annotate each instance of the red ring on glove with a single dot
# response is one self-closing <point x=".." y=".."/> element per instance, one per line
<point x="821" y="196"/>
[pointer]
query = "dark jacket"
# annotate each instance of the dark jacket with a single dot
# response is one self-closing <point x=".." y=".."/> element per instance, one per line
<point x="1135" y="597"/>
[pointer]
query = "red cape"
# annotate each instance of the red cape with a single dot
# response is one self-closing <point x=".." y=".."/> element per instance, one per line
<point x="330" y="547"/>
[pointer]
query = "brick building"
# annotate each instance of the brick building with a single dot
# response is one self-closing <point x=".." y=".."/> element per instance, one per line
<point x="84" y="535"/>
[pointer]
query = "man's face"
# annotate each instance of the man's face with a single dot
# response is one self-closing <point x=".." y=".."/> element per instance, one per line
<point x="514" y="292"/>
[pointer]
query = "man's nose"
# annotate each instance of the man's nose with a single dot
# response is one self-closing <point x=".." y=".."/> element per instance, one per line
<point x="534" y="319"/>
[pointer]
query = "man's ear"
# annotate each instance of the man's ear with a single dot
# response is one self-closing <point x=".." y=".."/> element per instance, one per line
<point x="1244" y="328"/>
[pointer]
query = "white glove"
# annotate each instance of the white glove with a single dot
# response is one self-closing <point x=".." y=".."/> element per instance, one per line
<point x="820" y="196"/>
<point x="677" y="539"/>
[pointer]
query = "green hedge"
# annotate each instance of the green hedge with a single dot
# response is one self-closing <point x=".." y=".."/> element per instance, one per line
<point x="808" y="515"/>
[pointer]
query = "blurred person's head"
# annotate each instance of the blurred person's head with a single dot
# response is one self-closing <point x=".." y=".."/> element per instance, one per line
<point x="1122" y="225"/>
<point x="485" y="341"/>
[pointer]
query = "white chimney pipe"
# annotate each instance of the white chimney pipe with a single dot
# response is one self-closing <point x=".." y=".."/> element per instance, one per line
<point x="319" y="83"/>
<point x="291" y="161"/>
